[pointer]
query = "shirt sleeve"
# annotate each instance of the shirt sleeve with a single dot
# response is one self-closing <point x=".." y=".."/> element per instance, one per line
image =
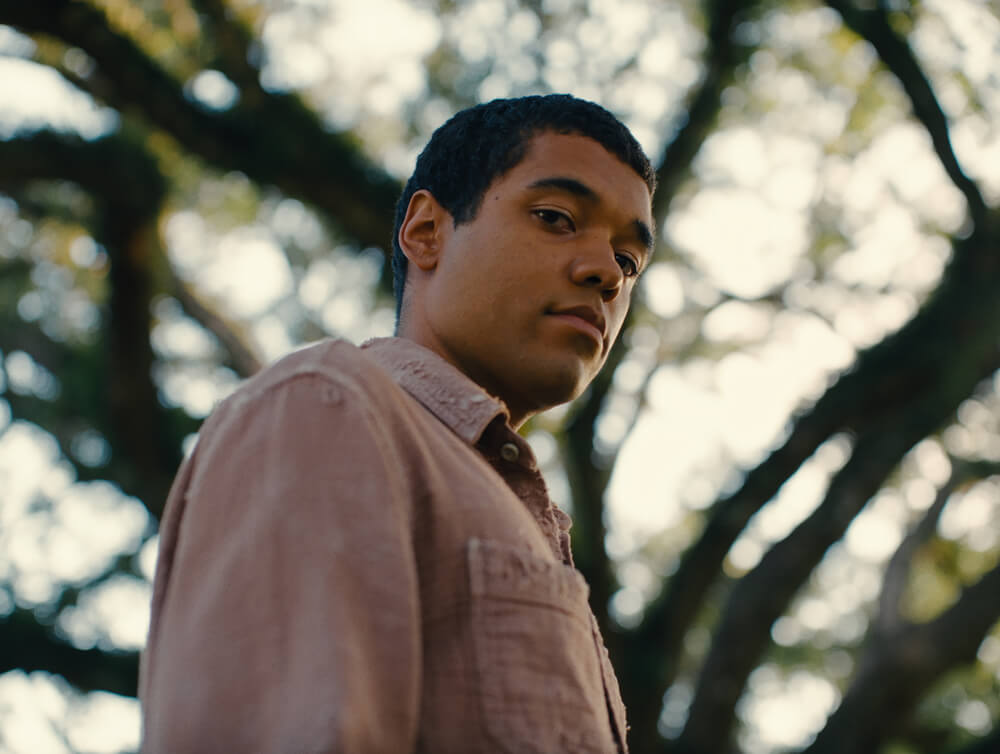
<point x="285" y="612"/>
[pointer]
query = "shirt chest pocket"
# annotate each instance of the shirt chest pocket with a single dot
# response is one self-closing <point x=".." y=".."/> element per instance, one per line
<point x="540" y="676"/>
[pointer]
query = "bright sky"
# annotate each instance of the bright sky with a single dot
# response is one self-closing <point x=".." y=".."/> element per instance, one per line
<point x="742" y="235"/>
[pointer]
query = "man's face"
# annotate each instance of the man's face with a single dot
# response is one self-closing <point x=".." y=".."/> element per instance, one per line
<point x="528" y="297"/>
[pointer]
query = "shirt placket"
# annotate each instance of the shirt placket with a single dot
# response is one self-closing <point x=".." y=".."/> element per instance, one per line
<point x="517" y="467"/>
<point x="511" y="456"/>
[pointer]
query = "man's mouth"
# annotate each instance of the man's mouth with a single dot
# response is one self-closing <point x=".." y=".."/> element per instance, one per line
<point x="586" y="319"/>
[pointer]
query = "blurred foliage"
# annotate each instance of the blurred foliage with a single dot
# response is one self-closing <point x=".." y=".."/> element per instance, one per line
<point x="785" y="486"/>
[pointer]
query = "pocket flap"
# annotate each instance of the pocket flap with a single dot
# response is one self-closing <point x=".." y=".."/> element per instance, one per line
<point x="502" y="571"/>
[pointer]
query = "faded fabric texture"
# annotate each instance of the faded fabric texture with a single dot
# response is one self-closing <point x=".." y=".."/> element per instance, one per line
<point x="361" y="556"/>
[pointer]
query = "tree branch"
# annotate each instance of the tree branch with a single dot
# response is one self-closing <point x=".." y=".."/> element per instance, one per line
<point x="897" y="670"/>
<point x="897" y="572"/>
<point x="903" y="375"/>
<point x="720" y="59"/>
<point x="719" y="62"/>
<point x="873" y="25"/>
<point x="588" y="481"/>
<point x="761" y="596"/>
<point x="276" y="141"/>
<point x="115" y="169"/>
<point x="233" y="47"/>
<point x="129" y="189"/>
<point x="242" y="356"/>
<point x="889" y="620"/>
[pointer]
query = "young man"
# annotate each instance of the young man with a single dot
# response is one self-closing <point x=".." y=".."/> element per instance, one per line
<point x="361" y="555"/>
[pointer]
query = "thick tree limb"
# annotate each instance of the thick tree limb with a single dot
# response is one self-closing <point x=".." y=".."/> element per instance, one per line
<point x="761" y="596"/>
<point x="719" y="62"/>
<point x="873" y="25"/>
<point x="117" y="171"/>
<point x="125" y="179"/>
<point x="903" y="375"/>
<point x="128" y="187"/>
<point x="588" y="482"/>
<point x="643" y="653"/>
<point x="233" y="48"/>
<point x="898" y="670"/>
<point x="907" y="394"/>
<point x="276" y="141"/>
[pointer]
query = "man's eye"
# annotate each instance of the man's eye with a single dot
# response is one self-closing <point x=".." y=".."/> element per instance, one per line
<point x="628" y="265"/>
<point x="555" y="218"/>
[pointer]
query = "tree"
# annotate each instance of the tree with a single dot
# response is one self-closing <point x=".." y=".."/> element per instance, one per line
<point x="116" y="339"/>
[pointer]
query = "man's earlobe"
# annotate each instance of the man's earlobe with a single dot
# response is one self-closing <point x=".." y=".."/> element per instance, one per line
<point x="422" y="230"/>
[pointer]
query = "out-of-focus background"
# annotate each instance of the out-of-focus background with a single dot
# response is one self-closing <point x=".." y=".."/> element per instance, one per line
<point x="786" y="485"/>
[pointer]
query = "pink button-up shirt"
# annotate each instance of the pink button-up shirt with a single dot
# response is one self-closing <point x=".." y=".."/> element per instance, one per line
<point x="360" y="555"/>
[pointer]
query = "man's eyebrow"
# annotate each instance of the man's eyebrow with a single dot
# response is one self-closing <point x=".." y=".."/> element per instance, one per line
<point x="570" y="185"/>
<point x="644" y="234"/>
<point x="578" y="188"/>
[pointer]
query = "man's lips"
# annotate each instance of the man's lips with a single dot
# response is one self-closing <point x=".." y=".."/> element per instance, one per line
<point x="587" y="319"/>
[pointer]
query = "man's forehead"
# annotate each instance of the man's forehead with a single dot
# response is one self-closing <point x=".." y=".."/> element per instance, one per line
<point x="576" y="163"/>
<point x="565" y="146"/>
<point x="547" y="143"/>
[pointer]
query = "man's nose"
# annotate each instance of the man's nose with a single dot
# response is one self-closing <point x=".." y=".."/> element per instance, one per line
<point x="596" y="266"/>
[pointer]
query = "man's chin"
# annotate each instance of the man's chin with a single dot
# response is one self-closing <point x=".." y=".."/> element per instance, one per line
<point x="557" y="387"/>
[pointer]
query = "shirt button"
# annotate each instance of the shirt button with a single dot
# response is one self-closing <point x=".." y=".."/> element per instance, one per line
<point x="509" y="452"/>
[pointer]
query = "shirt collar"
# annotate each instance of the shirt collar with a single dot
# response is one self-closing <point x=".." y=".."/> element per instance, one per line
<point x="442" y="389"/>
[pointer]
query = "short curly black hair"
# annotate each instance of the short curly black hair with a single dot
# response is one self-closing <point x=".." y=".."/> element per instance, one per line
<point x="477" y="146"/>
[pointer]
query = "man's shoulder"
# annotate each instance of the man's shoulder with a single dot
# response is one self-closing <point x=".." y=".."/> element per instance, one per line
<point x="336" y="364"/>
<point x="331" y="359"/>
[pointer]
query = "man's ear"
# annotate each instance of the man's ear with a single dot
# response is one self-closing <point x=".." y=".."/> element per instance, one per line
<point x="423" y="230"/>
